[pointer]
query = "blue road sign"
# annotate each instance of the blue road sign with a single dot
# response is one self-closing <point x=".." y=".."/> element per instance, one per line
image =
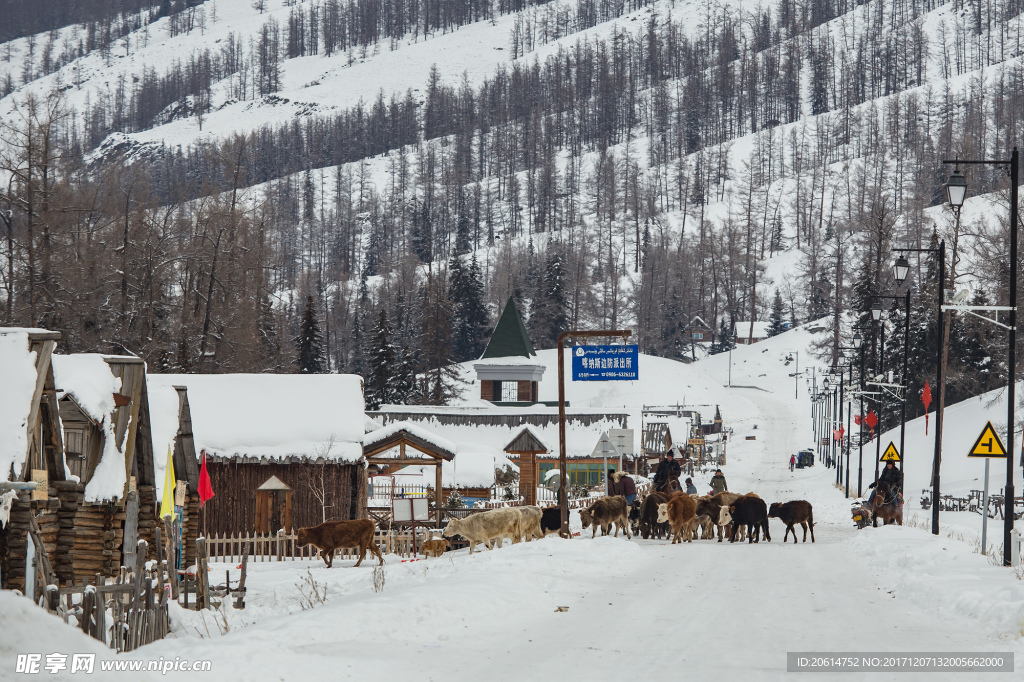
<point x="605" y="363"/>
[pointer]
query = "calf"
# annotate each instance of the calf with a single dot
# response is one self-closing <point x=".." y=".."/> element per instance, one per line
<point x="680" y="512"/>
<point x="649" y="525"/>
<point x="792" y="513"/>
<point x="487" y="527"/>
<point x="531" y="522"/>
<point x="551" y="520"/>
<point x="434" y="547"/>
<point x="604" y="513"/>
<point x="634" y="517"/>
<point x="750" y="512"/>
<point x="332" y="535"/>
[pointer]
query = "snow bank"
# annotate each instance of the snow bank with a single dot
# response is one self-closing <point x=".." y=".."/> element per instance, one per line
<point x="468" y="470"/>
<point x="18" y="368"/>
<point x="27" y="629"/>
<point x="273" y="416"/>
<point x="946" y="575"/>
<point x="87" y="378"/>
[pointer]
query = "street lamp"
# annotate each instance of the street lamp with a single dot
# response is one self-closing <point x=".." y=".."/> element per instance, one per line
<point x="956" y="189"/>
<point x="956" y="193"/>
<point x="876" y="311"/>
<point x="858" y="340"/>
<point x="900" y="270"/>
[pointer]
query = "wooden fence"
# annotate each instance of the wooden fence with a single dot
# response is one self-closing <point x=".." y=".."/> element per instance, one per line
<point x="283" y="547"/>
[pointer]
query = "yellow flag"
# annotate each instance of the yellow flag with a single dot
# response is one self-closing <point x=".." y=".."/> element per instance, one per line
<point x="167" y="502"/>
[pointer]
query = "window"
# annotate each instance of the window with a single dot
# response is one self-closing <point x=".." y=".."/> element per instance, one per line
<point x="510" y="391"/>
<point x="697" y="336"/>
<point x="585" y="473"/>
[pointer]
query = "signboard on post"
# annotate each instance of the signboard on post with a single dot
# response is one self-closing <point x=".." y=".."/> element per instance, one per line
<point x="410" y="509"/>
<point x="988" y="444"/>
<point x="891" y="454"/>
<point x="606" y="363"/>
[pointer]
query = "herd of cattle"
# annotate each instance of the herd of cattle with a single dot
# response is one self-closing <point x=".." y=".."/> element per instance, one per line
<point x="681" y="516"/>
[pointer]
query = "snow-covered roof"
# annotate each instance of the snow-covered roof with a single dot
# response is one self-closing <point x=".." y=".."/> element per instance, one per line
<point x="18" y="369"/>
<point x="87" y="379"/>
<point x="370" y="424"/>
<point x="428" y="436"/>
<point x="534" y="432"/>
<point x="274" y="416"/>
<point x="760" y="330"/>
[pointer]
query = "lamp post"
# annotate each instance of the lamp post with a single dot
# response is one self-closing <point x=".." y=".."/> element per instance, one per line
<point x="901" y="268"/>
<point x="956" y="193"/>
<point x="876" y="314"/>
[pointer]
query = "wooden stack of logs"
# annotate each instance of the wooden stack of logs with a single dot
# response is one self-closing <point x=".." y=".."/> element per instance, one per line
<point x="69" y="495"/>
<point x="190" y="529"/>
<point x="90" y="535"/>
<point x="147" y="517"/>
<point x="12" y="543"/>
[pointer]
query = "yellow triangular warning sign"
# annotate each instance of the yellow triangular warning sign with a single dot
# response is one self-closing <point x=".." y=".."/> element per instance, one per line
<point x="988" y="444"/>
<point x="891" y="454"/>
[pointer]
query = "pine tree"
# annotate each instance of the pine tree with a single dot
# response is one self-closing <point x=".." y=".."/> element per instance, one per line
<point x="380" y="382"/>
<point x="270" y="346"/>
<point x="309" y="342"/>
<point x="775" y="325"/>
<point x="548" y="311"/>
<point x="470" y="320"/>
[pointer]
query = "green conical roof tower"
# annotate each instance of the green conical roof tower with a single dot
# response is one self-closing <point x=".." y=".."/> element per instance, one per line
<point x="509" y="338"/>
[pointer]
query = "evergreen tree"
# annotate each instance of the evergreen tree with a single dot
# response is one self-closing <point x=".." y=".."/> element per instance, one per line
<point x="380" y="381"/>
<point x="270" y="345"/>
<point x="309" y="342"/>
<point x="470" y="320"/>
<point x="548" y="312"/>
<point x="775" y="325"/>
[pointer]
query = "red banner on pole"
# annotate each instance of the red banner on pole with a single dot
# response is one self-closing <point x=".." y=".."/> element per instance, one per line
<point x="926" y="398"/>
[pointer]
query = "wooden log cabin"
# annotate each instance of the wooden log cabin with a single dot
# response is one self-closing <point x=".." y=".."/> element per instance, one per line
<point x="108" y="502"/>
<point x="31" y="445"/>
<point x="304" y="429"/>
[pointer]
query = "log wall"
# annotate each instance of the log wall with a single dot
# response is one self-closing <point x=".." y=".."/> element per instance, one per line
<point x="233" y="508"/>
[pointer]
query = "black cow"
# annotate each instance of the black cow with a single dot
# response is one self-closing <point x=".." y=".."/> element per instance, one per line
<point x="551" y="520"/>
<point x="649" y="525"/>
<point x="751" y="512"/>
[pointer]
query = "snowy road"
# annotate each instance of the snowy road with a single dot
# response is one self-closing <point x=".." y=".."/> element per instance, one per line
<point x="636" y="608"/>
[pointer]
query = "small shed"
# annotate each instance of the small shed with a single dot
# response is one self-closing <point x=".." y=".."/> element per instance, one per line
<point x="273" y="506"/>
<point x="305" y="429"/>
<point x="747" y="332"/>
<point x="388" y="449"/>
<point x="527" y="444"/>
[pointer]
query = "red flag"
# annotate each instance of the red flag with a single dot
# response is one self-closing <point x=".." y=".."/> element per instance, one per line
<point x="205" y="487"/>
<point x="926" y="398"/>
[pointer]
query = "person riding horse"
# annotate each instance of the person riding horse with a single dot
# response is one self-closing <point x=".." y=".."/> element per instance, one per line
<point x="893" y="479"/>
<point x="667" y="477"/>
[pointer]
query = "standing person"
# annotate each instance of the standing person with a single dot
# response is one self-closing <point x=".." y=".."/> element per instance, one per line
<point x="612" y="483"/>
<point x="626" y="486"/>
<point x="792" y="462"/>
<point x="691" y="489"/>
<point x="718" y="484"/>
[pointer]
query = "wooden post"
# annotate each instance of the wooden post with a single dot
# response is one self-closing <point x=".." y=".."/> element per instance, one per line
<point x="438" y="494"/>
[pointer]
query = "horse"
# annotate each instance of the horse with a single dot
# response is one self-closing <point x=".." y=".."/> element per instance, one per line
<point x="668" y="486"/>
<point x="885" y="506"/>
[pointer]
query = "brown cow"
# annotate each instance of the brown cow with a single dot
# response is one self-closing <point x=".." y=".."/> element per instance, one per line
<point x="604" y="513"/>
<point x="712" y="506"/>
<point x="332" y="535"/>
<point x="434" y="547"/>
<point x="680" y="511"/>
<point x="792" y="513"/>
